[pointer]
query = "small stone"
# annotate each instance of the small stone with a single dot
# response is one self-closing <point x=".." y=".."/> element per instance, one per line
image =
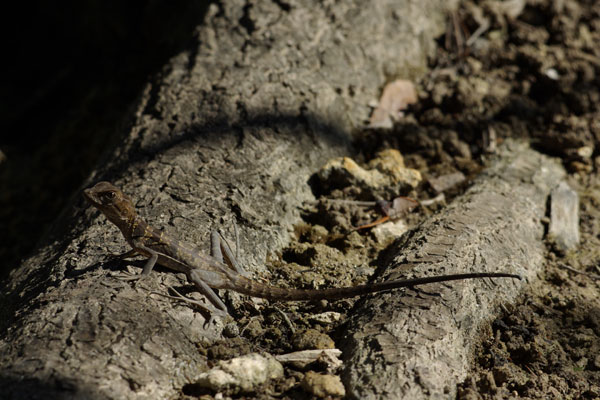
<point x="552" y="74"/>
<point x="445" y="182"/>
<point x="231" y="330"/>
<point x="321" y="385"/>
<point x="564" y="217"/>
<point x="389" y="231"/>
<point x="328" y="317"/>
<point x="585" y="152"/>
<point x="241" y="374"/>
<point x="311" y="339"/>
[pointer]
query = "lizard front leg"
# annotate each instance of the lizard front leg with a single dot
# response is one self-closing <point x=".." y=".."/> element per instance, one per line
<point x="128" y="254"/>
<point x="150" y="263"/>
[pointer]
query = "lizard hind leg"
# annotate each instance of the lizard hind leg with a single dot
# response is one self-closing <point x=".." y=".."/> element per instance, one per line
<point x="221" y="250"/>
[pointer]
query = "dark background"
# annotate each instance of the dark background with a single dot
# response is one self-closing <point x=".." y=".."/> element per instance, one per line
<point x="73" y="70"/>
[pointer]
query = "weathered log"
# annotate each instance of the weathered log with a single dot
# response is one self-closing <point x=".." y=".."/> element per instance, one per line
<point x="417" y="345"/>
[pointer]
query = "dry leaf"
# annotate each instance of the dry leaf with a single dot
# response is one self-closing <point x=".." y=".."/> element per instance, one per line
<point x="395" y="98"/>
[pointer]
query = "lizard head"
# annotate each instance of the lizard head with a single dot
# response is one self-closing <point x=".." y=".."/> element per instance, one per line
<point x="113" y="203"/>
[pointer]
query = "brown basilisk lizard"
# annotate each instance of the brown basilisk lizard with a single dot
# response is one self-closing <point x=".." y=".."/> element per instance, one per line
<point x="218" y="272"/>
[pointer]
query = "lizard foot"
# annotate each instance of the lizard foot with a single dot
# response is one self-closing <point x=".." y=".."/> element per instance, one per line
<point x="136" y="279"/>
<point x="211" y="311"/>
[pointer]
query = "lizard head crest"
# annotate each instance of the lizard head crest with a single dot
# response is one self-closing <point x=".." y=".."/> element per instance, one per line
<point x="113" y="203"/>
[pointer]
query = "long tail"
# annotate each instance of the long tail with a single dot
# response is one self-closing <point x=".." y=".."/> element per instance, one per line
<point x="246" y="286"/>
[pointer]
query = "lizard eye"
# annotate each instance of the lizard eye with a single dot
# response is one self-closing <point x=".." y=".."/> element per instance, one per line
<point x="108" y="196"/>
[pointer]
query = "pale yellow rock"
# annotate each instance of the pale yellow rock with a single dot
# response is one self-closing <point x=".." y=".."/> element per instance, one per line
<point x="391" y="163"/>
<point x="241" y="374"/>
<point x="386" y="170"/>
<point x="387" y="160"/>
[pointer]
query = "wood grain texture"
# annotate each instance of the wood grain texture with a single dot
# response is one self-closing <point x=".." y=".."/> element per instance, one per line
<point x="416" y="345"/>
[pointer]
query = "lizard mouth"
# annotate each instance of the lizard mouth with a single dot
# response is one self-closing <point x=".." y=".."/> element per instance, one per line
<point x="89" y="196"/>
